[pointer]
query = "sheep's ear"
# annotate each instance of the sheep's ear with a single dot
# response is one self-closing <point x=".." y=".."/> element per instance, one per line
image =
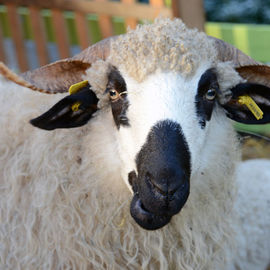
<point x="259" y="74"/>
<point x="52" y="78"/>
<point x="72" y="111"/>
<point x="250" y="104"/>
<point x="58" y="76"/>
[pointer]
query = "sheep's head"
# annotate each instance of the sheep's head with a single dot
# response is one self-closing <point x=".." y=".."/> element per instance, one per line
<point x="168" y="98"/>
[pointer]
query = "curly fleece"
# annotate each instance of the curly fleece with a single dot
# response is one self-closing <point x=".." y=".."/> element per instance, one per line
<point x="63" y="204"/>
<point x="166" y="45"/>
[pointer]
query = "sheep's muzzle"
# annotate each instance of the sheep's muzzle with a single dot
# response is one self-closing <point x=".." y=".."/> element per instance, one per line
<point x="161" y="187"/>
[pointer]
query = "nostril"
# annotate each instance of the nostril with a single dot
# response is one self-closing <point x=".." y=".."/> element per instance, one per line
<point x="165" y="187"/>
<point x="173" y="190"/>
<point x="160" y="188"/>
<point x="163" y="194"/>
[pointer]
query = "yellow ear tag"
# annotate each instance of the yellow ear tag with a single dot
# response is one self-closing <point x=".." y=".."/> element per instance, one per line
<point x="73" y="89"/>
<point x="252" y="106"/>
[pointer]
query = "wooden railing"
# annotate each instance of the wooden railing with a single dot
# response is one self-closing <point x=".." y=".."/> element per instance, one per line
<point x="131" y="11"/>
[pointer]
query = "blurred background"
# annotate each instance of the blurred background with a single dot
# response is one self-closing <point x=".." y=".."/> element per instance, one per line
<point x="37" y="32"/>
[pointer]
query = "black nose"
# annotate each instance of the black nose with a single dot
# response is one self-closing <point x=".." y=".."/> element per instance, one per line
<point x="161" y="187"/>
<point x="164" y="191"/>
<point x="166" y="181"/>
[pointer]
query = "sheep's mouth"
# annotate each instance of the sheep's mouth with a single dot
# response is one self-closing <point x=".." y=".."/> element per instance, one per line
<point x="146" y="219"/>
<point x="151" y="215"/>
<point x="161" y="184"/>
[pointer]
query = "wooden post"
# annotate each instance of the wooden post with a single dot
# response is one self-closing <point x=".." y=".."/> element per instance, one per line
<point x="156" y="3"/>
<point x="39" y="35"/>
<point x="17" y="36"/>
<point x="191" y="12"/>
<point x="82" y="30"/>
<point x="130" y="22"/>
<point x="2" y="51"/>
<point x="105" y="23"/>
<point x="60" y="31"/>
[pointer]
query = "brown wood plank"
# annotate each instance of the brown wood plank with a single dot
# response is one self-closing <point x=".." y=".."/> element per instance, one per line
<point x="156" y="3"/>
<point x="17" y="36"/>
<point x="105" y="22"/>
<point x="82" y="31"/>
<point x="191" y="12"/>
<point x="2" y="51"/>
<point x="39" y="35"/>
<point x="110" y="8"/>
<point x="130" y="22"/>
<point x="60" y="31"/>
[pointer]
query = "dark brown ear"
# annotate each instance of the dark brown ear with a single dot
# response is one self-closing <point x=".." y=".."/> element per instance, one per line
<point x="250" y="102"/>
<point x="259" y="74"/>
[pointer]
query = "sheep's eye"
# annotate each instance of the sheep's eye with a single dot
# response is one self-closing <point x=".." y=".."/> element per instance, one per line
<point x="211" y="94"/>
<point x="114" y="95"/>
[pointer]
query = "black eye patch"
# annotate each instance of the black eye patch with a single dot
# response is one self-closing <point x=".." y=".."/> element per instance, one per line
<point x="119" y="106"/>
<point x="116" y="81"/>
<point x="205" y="98"/>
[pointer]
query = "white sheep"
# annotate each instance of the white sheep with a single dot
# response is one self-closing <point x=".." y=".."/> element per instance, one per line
<point x="153" y="121"/>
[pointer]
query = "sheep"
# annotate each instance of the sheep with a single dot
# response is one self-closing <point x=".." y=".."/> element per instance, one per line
<point x="141" y="168"/>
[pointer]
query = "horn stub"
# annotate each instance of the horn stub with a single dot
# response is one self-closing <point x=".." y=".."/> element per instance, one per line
<point x="227" y="52"/>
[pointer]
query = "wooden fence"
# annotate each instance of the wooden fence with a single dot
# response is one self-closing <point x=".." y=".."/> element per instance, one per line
<point x="132" y="12"/>
<point x="42" y="22"/>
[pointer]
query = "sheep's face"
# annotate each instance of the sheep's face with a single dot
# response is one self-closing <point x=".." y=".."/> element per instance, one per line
<point x="162" y="126"/>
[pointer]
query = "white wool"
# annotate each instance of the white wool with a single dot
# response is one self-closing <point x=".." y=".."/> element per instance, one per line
<point x="227" y="79"/>
<point x="64" y="204"/>
<point x="63" y="207"/>
<point x="97" y="75"/>
<point x="253" y="210"/>
<point x="167" y="45"/>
